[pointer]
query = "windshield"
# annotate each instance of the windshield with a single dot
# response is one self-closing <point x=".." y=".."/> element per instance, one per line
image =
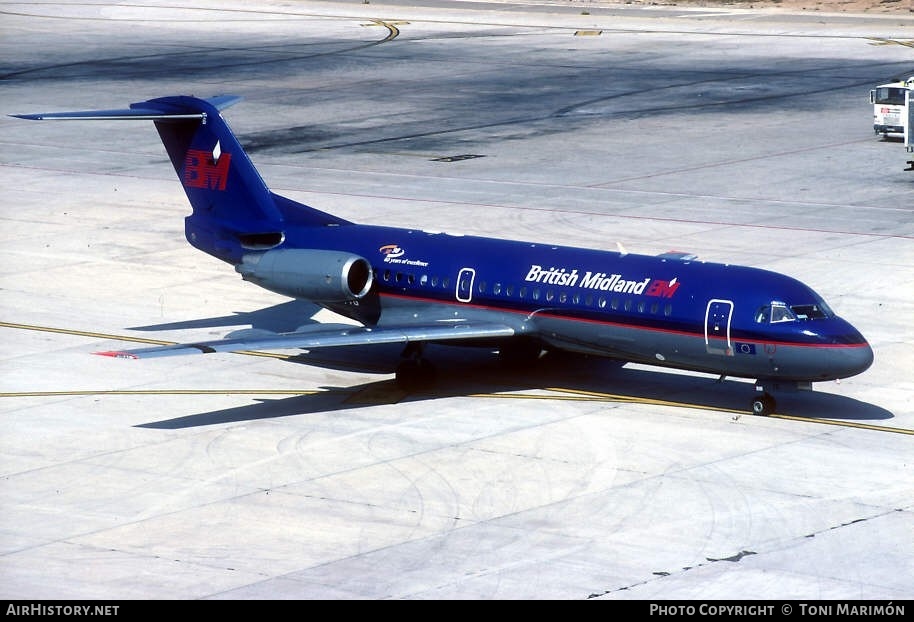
<point x="889" y="95"/>
<point x="778" y="311"/>
<point x="811" y="311"/>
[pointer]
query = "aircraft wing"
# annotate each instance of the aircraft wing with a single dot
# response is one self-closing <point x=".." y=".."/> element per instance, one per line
<point x="329" y="335"/>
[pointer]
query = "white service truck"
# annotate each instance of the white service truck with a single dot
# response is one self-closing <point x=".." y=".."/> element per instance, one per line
<point x="890" y="108"/>
<point x="909" y="129"/>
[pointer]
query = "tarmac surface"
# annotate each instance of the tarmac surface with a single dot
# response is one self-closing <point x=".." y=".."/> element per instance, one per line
<point x="742" y="136"/>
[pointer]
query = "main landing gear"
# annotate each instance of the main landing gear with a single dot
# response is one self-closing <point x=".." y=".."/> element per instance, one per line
<point x="415" y="372"/>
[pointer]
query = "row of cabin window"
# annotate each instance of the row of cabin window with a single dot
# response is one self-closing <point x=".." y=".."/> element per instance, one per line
<point x="628" y="304"/>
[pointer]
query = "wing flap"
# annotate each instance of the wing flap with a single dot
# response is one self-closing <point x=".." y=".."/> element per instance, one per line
<point x="325" y="337"/>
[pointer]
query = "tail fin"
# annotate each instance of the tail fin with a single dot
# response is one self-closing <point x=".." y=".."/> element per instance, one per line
<point x="233" y="210"/>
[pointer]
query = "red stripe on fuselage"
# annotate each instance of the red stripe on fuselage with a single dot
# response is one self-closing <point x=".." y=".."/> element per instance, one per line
<point x="568" y="318"/>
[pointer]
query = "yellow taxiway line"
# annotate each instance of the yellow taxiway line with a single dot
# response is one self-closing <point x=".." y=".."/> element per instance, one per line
<point x="372" y="396"/>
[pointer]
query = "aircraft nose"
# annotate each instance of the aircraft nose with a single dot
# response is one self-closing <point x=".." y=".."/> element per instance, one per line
<point x="856" y="357"/>
<point x="856" y="360"/>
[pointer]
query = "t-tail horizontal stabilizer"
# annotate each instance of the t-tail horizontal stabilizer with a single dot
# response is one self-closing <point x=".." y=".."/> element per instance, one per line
<point x="234" y="211"/>
<point x="137" y="112"/>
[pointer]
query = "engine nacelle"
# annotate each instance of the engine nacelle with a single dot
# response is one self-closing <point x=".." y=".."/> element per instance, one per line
<point x="327" y="276"/>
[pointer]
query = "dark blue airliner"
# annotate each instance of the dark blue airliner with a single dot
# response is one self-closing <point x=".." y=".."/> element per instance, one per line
<point x="415" y="287"/>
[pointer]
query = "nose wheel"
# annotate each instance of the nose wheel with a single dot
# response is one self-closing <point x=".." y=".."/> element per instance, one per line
<point x="763" y="405"/>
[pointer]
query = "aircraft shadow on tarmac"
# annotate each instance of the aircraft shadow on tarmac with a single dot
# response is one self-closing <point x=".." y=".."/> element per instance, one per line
<point x="465" y="371"/>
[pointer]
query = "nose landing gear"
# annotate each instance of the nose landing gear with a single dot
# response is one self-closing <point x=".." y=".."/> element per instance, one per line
<point x="763" y="404"/>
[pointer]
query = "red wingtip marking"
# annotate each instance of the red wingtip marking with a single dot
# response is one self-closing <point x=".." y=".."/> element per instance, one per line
<point x="117" y="355"/>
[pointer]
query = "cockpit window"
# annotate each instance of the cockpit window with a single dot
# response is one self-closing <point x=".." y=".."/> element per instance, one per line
<point x="811" y="311"/>
<point x="774" y="313"/>
<point x="780" y="312"/>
